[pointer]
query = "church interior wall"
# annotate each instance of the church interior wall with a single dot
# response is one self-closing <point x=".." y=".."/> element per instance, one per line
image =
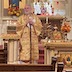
<point x="5" y="5"/>
<point x="62" y="5"/>
<point x="21" y="4"/>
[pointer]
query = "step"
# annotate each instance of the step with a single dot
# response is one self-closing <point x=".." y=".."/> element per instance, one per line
<point x="1" y="53"/>
<point x="40" y="62"/>
<point x="41" y="55"/>
<point x="2" y="61"/>
<point x="2" y="58"/>
<point x="41" y="51"/>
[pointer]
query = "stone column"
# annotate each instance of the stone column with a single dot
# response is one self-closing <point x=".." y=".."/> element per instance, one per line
<point x="1" y="8"/>
<point x="48" y="57"/>
<point x="10" y="52"/>
<point x="70" y="8"/>
<point x="66" y="10"/>
<point x="1" y="11"/>
<point x="69" y="35"/>
<point x="45" y="58"/>
<point x="16" y="51"/>
<point x="13" y="51"/>
<point x="68" y="5"/>
<point x="51" y="55"/>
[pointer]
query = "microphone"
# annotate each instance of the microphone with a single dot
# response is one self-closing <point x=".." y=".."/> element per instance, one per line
<point x="31" y="21"/>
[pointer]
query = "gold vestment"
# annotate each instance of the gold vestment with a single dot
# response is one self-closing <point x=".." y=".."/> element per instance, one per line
<point x="24" y="30"/>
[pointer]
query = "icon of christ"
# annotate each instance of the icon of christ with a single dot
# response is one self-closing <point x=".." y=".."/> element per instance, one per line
<point x="16" y="2"/>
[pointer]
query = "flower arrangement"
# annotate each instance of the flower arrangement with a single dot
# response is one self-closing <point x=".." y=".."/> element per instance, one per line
<point x="14" y="10"/>
<point x="66" y="27"/>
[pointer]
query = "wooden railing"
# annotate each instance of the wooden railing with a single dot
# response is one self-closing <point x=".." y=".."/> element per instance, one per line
<point x="29" y="68"/>
<point x="3" y="54"/>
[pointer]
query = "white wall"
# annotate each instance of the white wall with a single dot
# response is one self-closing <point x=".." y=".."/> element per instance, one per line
<point x="69" y="35"/>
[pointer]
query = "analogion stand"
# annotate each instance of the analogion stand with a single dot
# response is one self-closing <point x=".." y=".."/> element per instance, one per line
<point x="12" y="41"/>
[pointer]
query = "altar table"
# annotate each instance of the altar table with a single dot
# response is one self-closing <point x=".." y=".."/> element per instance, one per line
<point x="60" y="49"/>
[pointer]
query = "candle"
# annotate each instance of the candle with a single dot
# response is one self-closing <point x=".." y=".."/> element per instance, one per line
<point x="10" y="22"/>
<point x="7" y="22"/>
<point x="14" y="23"/>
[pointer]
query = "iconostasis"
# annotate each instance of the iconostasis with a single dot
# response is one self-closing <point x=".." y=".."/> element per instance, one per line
<point x="52" y="6"/>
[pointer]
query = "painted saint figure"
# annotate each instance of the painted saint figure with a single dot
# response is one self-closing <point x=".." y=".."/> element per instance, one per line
<point x="37" y="7"/>
<point x="16" y="2"/>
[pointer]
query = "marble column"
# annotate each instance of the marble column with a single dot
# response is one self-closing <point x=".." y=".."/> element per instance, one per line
<point x="10" y="52"/>
<point x="1" y="9"/>
<point x="48" y="54"/>
<point x="45" y="56"/>
<point x="68" y="8"/>
<point x="69" y="35"/>
<point x="51" y="55"/>
<point x="13" y="52"/>
<point x="1" y="40"/>
<point x="16" y="52"/>
<point x="48" y="57"/>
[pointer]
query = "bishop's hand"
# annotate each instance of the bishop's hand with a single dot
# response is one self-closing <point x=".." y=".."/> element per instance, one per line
<point x="31" y="21"/>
